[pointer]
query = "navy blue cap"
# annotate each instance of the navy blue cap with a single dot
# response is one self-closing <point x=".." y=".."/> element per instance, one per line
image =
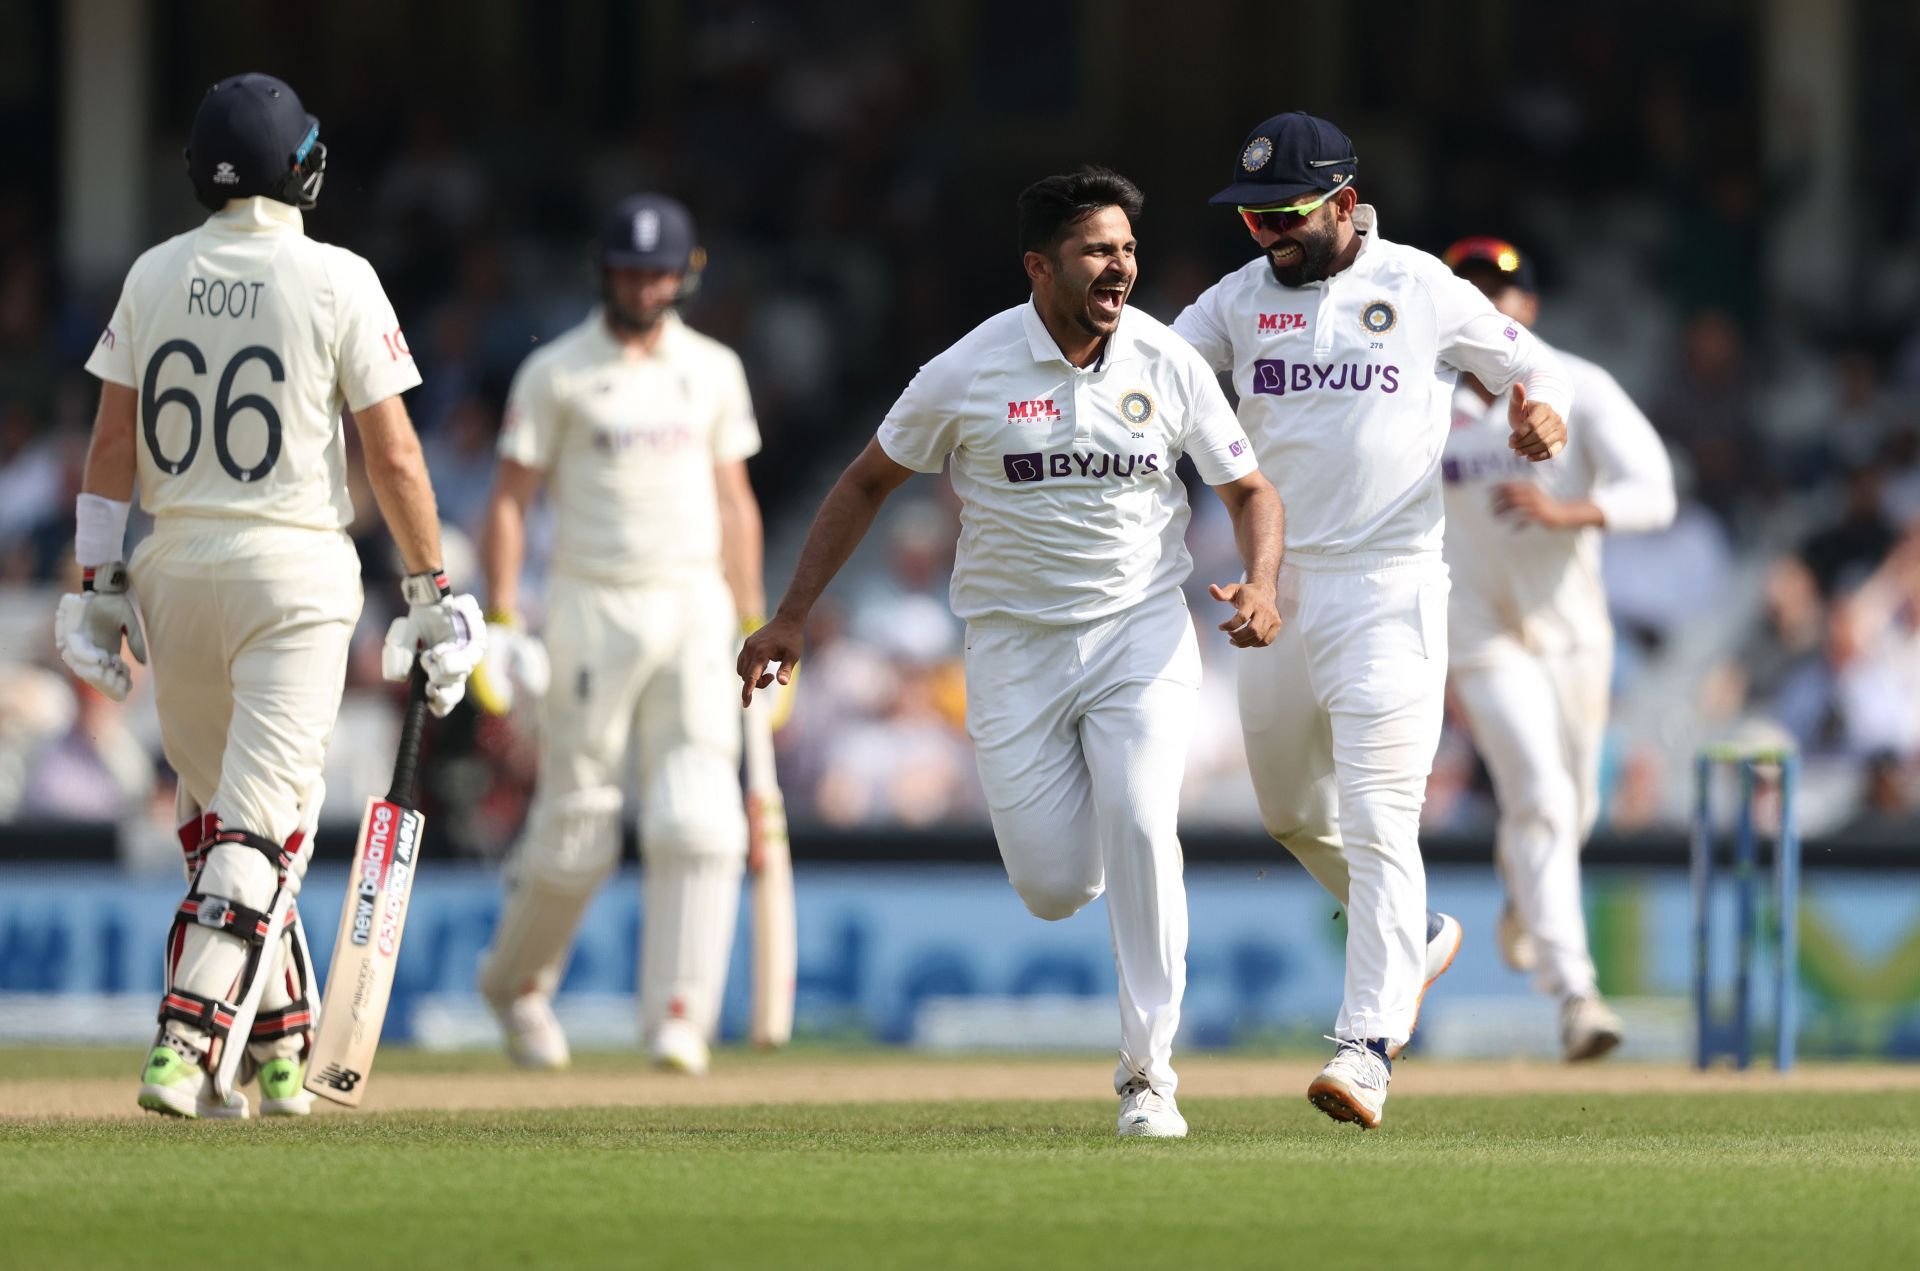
<point x="249" y="135"/>
<point x="1496" y="253"/>
<point x="649" y="231"/>
<point x="1288" y="156"/>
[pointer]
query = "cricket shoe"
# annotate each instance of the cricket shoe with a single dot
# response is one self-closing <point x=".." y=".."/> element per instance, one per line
<point x="1443" y="945"/>
<point x="1516" y="944"/>
<point x="174" y="1084"/>
<point x="1145" y="1113"/>
<point x="1588" y="1028"/>
<point x="283" y="1092"/>
<point x="1353" y="1085"/>
<point x="534" y="1037"/>
<point x="679" y="1047"/>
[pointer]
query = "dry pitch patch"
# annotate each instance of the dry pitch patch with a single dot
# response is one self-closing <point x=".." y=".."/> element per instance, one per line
<point x="99" y="1083"/>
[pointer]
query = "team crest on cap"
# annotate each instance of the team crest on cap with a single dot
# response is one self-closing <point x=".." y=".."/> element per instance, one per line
<point x="1255" y="156"/>
<point x="1378" y="317"/>
<point x="1136" y="408"/>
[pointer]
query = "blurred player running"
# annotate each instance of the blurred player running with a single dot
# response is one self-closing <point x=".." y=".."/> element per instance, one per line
<point x="1531" y="643"/>
<point x="1063" y="417"/>
<point x="230" y="355"/>
<point x="1344" y="348"/>
<point x="641" y="428"/>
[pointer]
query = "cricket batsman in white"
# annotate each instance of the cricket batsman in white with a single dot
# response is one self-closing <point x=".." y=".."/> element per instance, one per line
<point x="1063" y="417"/>
<point x="231" y="354"/>
<point x="1532" y="646"/>
<point x="1344" y="348"/>
<point x="639" y="427"/>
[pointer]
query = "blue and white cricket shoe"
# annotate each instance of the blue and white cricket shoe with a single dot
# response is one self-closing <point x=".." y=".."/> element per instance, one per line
<point x="1444" y="937"/>
<point x="1145" y="1113"/>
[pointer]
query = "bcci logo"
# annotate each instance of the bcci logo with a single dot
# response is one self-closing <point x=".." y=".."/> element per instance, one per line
<point x="223" y="174"/>
<point x="1255" y="156"/>
<point x="1378" y="317"/>
<point x="1136" y="408"/>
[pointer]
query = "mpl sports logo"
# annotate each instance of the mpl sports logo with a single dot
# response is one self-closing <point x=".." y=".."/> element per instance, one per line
<point x="1275" y="377"/>
<point x="1037" y="410"/>
<point x="1281" y="323"/>
<point x="1092" y="466"/>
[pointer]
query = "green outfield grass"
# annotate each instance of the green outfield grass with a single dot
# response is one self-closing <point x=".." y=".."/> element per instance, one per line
<point x="1761" y="1180"/>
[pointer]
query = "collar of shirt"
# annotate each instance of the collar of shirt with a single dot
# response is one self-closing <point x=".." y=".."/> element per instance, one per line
<point x="1119" y="346"/>
<point x="258" y="214"/>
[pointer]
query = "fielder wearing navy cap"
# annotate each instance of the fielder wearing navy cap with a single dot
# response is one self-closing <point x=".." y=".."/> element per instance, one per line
<point x="653" y="235"/>
<point x="1287" y="156"/>
<point x="649" y="231"/>
<point x="1488" y="256"/>
<point x="251" y="136"/>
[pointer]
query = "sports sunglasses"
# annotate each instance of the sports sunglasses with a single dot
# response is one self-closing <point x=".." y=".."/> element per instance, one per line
<point x="1281" y="219"/>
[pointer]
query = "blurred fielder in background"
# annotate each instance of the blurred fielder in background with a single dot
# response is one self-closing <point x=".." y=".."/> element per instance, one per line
<point x="1064" y="416"/>
<point x="1532" y="646"/>
<point x="640" y="427"/>
<point x="224" y="371"/>
<point x="1344" y="349"/>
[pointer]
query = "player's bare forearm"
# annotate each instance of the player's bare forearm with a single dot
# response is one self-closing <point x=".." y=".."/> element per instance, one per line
<point x="111" y="458"/>
<point x="503" y="543"/>
<point x="1259" y="526"/>
<point x="843" y="520"/>
<point x="397" y="471"/>
<point x="741" y="541"/>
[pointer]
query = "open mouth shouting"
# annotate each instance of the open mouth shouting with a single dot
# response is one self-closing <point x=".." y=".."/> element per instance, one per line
<point x="1105" y="299"/>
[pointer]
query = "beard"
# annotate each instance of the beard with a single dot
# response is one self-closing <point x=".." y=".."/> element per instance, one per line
<point x="1317" y="248"/>
<point x="635" y="320"/>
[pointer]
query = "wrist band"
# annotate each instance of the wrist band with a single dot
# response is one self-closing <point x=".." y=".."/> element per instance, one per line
<point x="99" y="529"/>
<point x="426" y="588"/>
<point x="751" y="624"/>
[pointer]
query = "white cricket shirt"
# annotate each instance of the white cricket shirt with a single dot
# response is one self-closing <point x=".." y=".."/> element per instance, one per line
<point x="244" y="339"/>
<point x="1543" y="585"/>
<point x="1346" y="385"/>
<point x="629" y="441"/>
<point x="1070" y="509"/>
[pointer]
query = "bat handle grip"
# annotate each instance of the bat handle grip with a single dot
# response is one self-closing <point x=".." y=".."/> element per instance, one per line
<point x="412" y="724"/>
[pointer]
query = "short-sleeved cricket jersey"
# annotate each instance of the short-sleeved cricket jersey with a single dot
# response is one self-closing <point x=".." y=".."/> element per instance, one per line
<point x="1070" y="506"/>
<point x="629" y="441"/>
<point x="1346" y="385"/>
<point x="244" y="339"/>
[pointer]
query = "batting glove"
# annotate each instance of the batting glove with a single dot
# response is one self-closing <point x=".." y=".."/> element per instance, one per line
<point x="87" y="629"/>
<point x="515" y="668"/>
<point x="444" y="631"/>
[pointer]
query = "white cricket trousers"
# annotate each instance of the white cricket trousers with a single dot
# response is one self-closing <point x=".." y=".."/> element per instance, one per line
<point x="1342" y="715"/>
<point x="1081" y="732"/>
<point x="1538" y="720"/>
<point x="650" y="664"/>
<point x="249" y="630"/>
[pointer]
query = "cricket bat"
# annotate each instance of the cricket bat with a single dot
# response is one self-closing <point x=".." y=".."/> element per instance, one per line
<point x="366" y="949"/>
<point x="770" y="863"/>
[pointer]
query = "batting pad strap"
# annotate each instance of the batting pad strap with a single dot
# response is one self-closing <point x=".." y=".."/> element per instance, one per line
<point x="208" y="1013"/>
<point x="293" y="1018"/>
<point x="279" y="855"/>
<point x="221" y="914"/>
